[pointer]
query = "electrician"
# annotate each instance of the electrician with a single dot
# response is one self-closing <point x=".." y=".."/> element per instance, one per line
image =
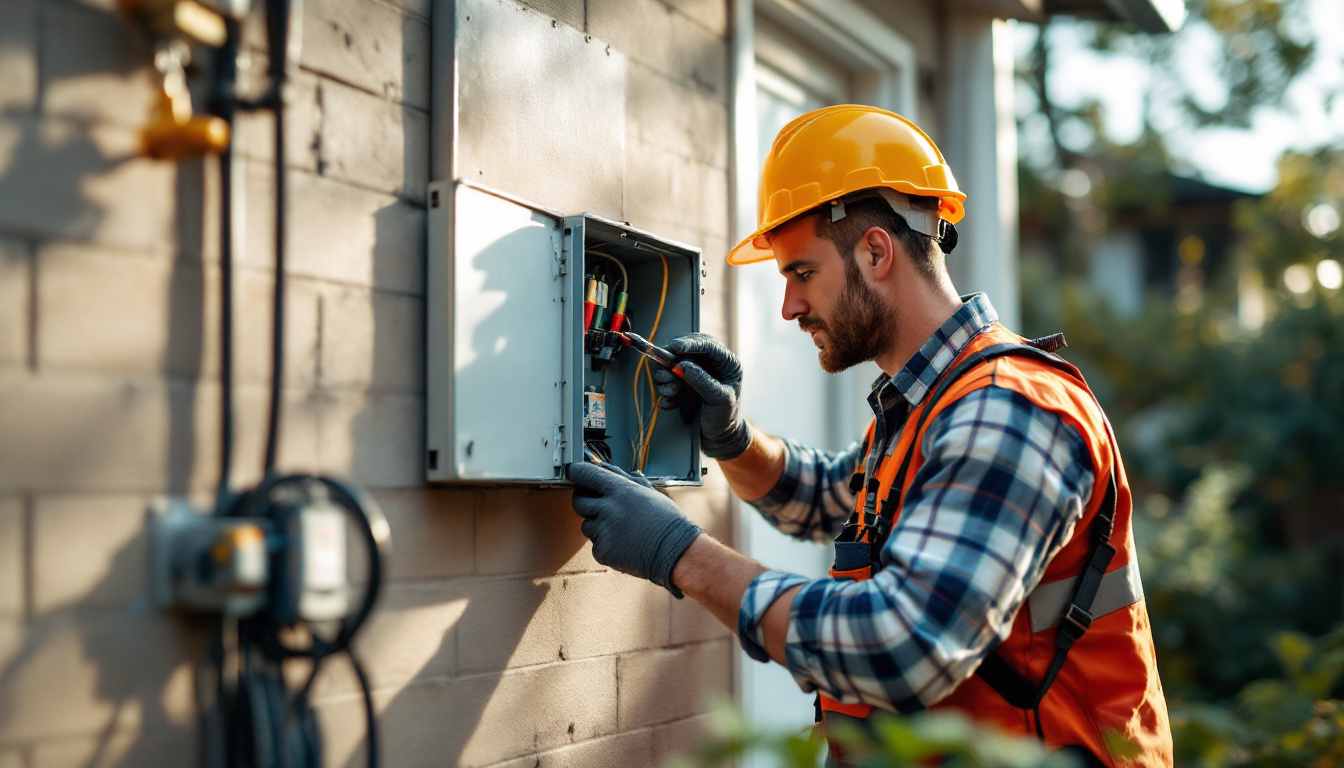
<point x="984" y="558"/>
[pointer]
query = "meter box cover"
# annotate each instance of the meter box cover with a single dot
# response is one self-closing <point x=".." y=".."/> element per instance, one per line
<point x="528" y="367"/>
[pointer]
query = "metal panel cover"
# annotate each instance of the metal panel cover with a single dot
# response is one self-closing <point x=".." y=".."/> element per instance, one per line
<point x="507" y="339"/>
<point x="540" y="108"/>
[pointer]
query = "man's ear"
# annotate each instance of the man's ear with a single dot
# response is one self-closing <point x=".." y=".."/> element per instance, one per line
<point x="879" y="250"/>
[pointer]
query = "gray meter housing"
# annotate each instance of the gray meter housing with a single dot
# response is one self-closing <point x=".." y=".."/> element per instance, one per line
<point x="506" y="366"/>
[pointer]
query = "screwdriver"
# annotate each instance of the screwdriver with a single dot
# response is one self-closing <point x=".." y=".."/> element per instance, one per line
<point x="654" y="352"/>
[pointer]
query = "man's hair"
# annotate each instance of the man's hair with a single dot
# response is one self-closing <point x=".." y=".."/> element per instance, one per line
<point x="862" y="215"/>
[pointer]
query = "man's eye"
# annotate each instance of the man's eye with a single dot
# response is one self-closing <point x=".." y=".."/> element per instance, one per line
<point x="803" y="276"/>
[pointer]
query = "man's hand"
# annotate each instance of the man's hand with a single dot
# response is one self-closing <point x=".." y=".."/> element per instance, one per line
<point x="634" y="529"/>
<point x="713" y="383"/>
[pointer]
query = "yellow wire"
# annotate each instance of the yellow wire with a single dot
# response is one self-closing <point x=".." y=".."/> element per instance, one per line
<point x="643" y="449"/>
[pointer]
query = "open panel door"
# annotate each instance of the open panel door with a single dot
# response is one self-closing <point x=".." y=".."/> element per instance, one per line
<point x="497" y="338"/>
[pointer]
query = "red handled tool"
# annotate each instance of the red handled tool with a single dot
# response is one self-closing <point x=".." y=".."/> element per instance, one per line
<point x="655" y="353"/>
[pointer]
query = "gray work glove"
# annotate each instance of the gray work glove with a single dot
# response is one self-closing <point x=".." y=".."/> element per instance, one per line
<point x="713" y="384"/>
<point x="634" y="529"/>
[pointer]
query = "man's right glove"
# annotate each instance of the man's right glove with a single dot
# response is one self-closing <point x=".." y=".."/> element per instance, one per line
<point x="713" y="384"/>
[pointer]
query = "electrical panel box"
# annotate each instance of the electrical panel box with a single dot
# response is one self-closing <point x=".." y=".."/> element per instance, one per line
<point x="517" y="382"/>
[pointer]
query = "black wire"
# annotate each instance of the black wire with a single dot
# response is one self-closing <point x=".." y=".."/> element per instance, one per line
<point x="370" y="718"/>
<point x="225" y="106"/>
<point x="277" y="28"/>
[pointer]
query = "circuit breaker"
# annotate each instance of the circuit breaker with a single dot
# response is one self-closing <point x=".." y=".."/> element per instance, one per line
<point x="525" y="365"/>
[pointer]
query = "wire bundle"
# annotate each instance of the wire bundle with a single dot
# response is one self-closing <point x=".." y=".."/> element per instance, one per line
<point x="640" y="447"/>
<point x="249" y="717"/>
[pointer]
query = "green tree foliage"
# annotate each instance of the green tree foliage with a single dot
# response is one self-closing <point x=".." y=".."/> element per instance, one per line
<point x="1232" y="428"/>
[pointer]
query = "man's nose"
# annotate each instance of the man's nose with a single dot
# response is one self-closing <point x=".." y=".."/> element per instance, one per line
<point x="794" y="306"/>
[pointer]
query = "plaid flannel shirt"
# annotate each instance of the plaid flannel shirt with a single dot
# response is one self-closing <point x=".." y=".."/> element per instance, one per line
<point x="1003" y="484"/>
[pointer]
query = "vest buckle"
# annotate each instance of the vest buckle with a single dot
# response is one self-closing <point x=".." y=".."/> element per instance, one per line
<point x="1076" y="621"/>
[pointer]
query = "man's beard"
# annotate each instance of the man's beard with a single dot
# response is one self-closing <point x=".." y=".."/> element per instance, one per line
<point x="861" y="327"/>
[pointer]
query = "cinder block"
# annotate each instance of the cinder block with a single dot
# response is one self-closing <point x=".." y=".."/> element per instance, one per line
<point x="693" y="623"/>
<point x="375" y="440"/>
<point x="98" y="671"/>
<point x="298" y="450"/>
<point x="15" y="264"/>
<point x="254" y="132"/>
<point x="651" y="33"/>
<point x="88" y="433"/>
<point x="373" y="340"/>
<point x="125" y="748"/>
<point x="570" y="12"/>
<point x="369" y="45"/>
<point x="118" y="311"/>
<point x="72" y="432"/>
<point x="479" y="720"/>
<point x="67" y="180"/>
<point x="640" y="29"/>
<point x="620" y="751"/>
<point x="673" y="117"/>
<point x="338" y="232"/>
<point x="538" y="709"/>
<point x="433" y="533"/>
<point x="681" y="736"/>
<point x="370" y="141"/>
<point x="93" y="67"/>
<point x="665" y="685"/>
<point x="523" y="622"/>
<point x="18" y="56"/>
<point x="710" y="14"/>
<point x="254" y="293"/>
<point x="664" y="190"/>
<point x="410" y="637"/>
<point x="88" y="551"/>
<point x="521" y="532"/>
<point x="706" y="507"/>
<point x="12" y="558"/>
<point x="702" y="59"/>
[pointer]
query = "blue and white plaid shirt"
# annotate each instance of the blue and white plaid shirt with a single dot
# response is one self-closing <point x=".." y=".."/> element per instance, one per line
<point x="1003" y="484"/>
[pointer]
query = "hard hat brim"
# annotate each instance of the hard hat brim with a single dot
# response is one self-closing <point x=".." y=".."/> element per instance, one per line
<point x="756" y="246"/>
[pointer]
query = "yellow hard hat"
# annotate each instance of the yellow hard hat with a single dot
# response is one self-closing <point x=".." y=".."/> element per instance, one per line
<point x="836" y="151"/>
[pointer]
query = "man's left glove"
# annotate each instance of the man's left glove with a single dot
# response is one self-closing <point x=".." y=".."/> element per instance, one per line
<point x="634" y="529"/>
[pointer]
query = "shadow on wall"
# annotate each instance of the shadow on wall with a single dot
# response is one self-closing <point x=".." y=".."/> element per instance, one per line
<point x="117" y="673"/>
<point x="101" y="680"/>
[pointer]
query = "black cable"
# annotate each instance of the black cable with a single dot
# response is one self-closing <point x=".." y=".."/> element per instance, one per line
<point x="277" y="32"/>
<point x="224" y="98"/>
<point x="370" y="718"/>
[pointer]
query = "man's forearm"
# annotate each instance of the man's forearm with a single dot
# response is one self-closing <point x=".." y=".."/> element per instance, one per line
<point x="757" y="469"/>
<point x="717" y="577"/>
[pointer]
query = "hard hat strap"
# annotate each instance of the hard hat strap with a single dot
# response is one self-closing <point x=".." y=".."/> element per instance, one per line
<point x="922" y="219"/>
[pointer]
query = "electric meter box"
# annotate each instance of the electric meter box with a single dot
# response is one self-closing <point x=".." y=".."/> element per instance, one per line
<point x="515" y="385"/>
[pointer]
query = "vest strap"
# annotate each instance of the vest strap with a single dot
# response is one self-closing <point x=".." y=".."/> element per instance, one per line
<point x="1120" y="588"/>
<point x="1076" y="617"/>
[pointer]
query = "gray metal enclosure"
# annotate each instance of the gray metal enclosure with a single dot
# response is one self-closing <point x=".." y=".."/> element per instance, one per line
<point x="506" y="367"/>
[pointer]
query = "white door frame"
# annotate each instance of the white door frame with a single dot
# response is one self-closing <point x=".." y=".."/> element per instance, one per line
<point x="883" y="67"/>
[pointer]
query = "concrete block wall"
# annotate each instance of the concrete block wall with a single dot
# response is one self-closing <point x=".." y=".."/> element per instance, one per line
<point x="500" y="641"/>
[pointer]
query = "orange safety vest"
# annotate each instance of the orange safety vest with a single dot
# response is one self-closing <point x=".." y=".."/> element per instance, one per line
<point x="1108" y="680"/>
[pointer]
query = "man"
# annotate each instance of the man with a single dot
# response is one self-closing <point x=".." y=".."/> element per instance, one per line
<point x="984" y="559"/>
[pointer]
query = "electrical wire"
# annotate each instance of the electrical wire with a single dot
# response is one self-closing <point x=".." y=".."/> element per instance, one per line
<point x="248" y="716"/>
<point x="641" y="450"/>
<point x="224" y="101"/>
<point x="277" y="32"/>
<point x="625" y="277"/>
